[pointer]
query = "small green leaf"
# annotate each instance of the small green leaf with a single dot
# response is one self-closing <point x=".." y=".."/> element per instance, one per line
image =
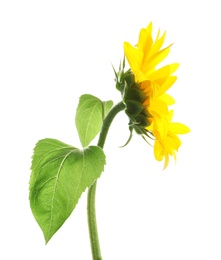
<point x="89" y="117"/>
<point x="107" y="105"/>
<point x="60" y="174"/>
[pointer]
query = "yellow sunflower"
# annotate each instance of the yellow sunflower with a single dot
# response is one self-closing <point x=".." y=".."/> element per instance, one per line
<point x="146" y="100"/>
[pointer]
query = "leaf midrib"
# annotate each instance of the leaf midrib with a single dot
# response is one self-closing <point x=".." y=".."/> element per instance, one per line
<point x="54" y="191"/>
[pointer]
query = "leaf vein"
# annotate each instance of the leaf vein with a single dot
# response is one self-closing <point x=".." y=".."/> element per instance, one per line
<point x="55" y="187"/>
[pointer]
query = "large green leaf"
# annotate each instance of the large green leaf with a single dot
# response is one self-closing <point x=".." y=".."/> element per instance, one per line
<point x="60" y="173"/>
<point x="89" y="117"/>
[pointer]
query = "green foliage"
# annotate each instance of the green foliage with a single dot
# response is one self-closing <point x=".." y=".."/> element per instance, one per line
<point x="60" y="173"/>
<point x="89" y="117"/>
<point x="107" y="105"/>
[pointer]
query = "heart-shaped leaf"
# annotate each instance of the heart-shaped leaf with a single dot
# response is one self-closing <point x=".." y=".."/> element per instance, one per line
<point x="89" y="117"/>
<point x="60" y="173"/>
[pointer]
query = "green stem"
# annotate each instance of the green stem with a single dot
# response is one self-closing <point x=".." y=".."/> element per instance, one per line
<point x="92" y="223"/>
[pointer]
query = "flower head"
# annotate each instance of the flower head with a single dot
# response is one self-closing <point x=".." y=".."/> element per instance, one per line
<point x="144" y="87"/>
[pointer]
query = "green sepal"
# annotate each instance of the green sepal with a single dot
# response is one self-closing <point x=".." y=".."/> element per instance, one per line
<point x="130" y="137"/>
<point x="134" y="94"/>
<point x="128" y="77"/>
<point x="60" y="174"/>
<point x="122" y="78"/>
<point x="133" y="108"/>
<point x="141" y="120"/>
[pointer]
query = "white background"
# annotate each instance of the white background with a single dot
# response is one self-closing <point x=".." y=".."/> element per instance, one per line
<point x="51" y="52"/>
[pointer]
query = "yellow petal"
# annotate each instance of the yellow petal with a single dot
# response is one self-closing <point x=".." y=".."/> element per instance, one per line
<point x="158" y="43"/>
<point x="160" y="56"/>
<point x="159" y="107"/>
<point x="164" y="72"/>
<point x="172" y="143"/>
<point x="178" y="128"/>
<point x="158" y="151"/>
<point x="167" y="99"/>
<point x="145" y="39"/>
<point x="154" y="60"/>
<point x="160" y="127"/>
<point x="166" y="162"/>
<point x="171" y="112"/>
<point x="167" y="84"/>
<point x="134" y="57"/>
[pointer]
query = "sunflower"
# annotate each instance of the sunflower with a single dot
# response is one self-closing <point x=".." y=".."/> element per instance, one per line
<point x="144" y="87"/>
